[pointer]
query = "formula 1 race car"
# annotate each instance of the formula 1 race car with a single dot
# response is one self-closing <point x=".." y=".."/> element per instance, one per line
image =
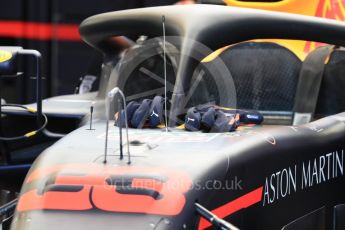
<point x="269" y="176"/>
<point x="70" y="110"/>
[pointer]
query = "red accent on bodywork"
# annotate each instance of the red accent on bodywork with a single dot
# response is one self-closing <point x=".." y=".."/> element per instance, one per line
<point x="61" y="183"/>
<point x="225" y="210"/>
<point x="55" y="200"/>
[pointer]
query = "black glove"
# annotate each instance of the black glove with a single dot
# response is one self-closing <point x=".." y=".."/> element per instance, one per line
<point x="138" y="114"/>
<point x="219" y="119"/>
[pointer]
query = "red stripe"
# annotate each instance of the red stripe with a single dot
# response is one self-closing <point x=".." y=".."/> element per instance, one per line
<point x="39" y="31"/>
<point x="245" y="201"/>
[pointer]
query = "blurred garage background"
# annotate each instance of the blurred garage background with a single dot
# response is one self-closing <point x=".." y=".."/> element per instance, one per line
<point x="51" y="26"/>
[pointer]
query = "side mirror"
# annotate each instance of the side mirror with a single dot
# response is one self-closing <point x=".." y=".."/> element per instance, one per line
<point x="9" y="60"/>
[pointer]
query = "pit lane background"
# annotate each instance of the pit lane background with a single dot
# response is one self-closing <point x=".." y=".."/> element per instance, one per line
<point x="51" y="26"/>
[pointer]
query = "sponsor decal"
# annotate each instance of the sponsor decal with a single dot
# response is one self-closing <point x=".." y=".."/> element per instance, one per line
<point x="248" y="131"/>
<point x="284" y="182"/>
<point x="157" y="137"/>
<point x="302" y="176"/>
<point x="5" y="56"/>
